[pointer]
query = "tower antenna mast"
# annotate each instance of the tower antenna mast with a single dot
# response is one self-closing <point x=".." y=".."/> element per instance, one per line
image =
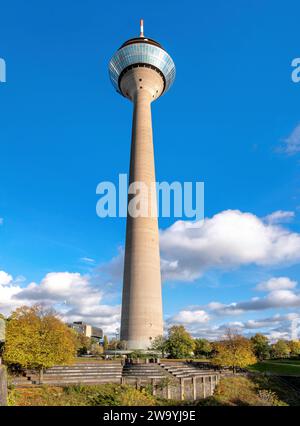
<point x="142" y="28"/>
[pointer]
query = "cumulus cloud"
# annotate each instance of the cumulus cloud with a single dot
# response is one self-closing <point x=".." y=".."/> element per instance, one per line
<point x="196" y="316"/>
<point x="5" y="278"/>
<point x="73" y="295"/>
<point x="291" y="145"/>
<point x="279" y="283"/>
<point x="269" y="321"/>
<point x="274" y="327"/>
<point x="280" y="216"/>
<point x="276" y="298"/>
<point x="228" y="239"/>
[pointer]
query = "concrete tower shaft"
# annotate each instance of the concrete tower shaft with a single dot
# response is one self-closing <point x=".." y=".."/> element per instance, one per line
<point x="141" y="319"/>
<point x="142" y="71"/>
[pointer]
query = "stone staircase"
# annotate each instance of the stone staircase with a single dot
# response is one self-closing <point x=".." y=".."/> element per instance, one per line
<point x="94" y="373"/>
<point x="185" y="370"/>
<point x="144" y="371"/>
<point x="81" y="373"/>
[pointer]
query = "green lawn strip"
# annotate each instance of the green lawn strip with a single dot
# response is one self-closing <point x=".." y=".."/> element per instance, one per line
<point x="286" y="361"/>
<point x="276" y="368"/>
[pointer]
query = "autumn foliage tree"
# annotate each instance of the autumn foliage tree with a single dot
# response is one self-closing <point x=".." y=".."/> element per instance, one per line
<point x="36" y="338"/>
<point x="294" y="346"/>
<point x="281" y="349"/>
<point x="234" y="352"/>
<point x="105" y="343"/>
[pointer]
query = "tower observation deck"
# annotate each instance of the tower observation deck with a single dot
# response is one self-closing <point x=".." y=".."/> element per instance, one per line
<point x="141" y="70"/>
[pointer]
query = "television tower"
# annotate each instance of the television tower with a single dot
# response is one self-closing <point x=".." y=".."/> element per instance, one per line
<point x="141" y="70"/>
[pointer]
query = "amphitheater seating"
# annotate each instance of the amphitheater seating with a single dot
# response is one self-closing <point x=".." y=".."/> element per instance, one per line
<point x="185" y="370"/>
<point x="81" y="373"/>
<point x="144" y="371"/>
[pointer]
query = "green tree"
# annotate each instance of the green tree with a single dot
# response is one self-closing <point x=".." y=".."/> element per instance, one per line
<point x="234" y="352"/>
<point x="261" y="347"/>
<point x="294" y="346"/>
<point x="159" y="344"/>
<point x="281" y="349"/>
<point x="84" y="344"/>
<point x="179" y="344"/>
<point x="202" y="347"/>
<point x="38" y="339"/>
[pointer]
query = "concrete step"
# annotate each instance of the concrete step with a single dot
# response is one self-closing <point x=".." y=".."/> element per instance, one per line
<point x="86" y="382"/>
<point x="189" y="376"/>
<point x="116" y="370"/>
<point x="117" y="373"/>
<point x="145" y="379"/>
<point x="98" y="367"/>
<point x="133" y="373"/>
<point x="143" y="369"/>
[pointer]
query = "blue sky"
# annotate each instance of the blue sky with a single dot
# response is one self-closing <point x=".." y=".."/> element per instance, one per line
<point x="228" y="121"/>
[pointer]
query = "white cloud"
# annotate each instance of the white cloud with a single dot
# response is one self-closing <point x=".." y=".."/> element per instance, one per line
<point x="279" y="216"/>
<point x="275" y="299"/>
<point x="190" y="317"/>
<point x="5" y="278"/>
<point x="1" y="220"/>
<point x="7" y="300"/>
<point x="73" y="295"/>
<point x="228" y="239"/>
<point x="292" y="143"/>
<point x="274" y="327"/>
<point x="88" y="260"/>
<point x="278" y="283"/>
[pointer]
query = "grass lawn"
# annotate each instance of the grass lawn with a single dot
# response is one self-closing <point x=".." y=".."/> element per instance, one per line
<point x="278" y="367"/>
<point x="287" y="361"/>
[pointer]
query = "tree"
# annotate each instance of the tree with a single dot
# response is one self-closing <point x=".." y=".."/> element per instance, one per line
<point x="159" y="344"/>
<point x="116" y="344"/>
<point x="96" y="349"/>
<point x="281" y="349"/>
<point x="2" y="334"/>
<point x="38" y="339"/>
<point x="84" y="344"/>
<point x="179" y="344"/>
<point x="202" y="347"/>
<point x="294" y="346"/>
<point x="261" y="347"/>
<point x="105" y="343"/>
<point x="234" y="352"/>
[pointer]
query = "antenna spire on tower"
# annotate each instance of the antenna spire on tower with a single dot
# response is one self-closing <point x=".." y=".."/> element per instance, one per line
<point x="142" y="28"/>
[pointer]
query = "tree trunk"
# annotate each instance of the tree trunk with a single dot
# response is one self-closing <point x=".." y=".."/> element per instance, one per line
<point x="41" y="375"/>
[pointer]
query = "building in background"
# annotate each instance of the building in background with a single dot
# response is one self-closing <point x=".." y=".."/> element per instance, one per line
<point x="87" y="330"/>
<point x="142" y="71"/>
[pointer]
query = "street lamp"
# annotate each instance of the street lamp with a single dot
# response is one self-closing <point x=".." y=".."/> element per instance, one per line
<point x="117" y="332"/>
